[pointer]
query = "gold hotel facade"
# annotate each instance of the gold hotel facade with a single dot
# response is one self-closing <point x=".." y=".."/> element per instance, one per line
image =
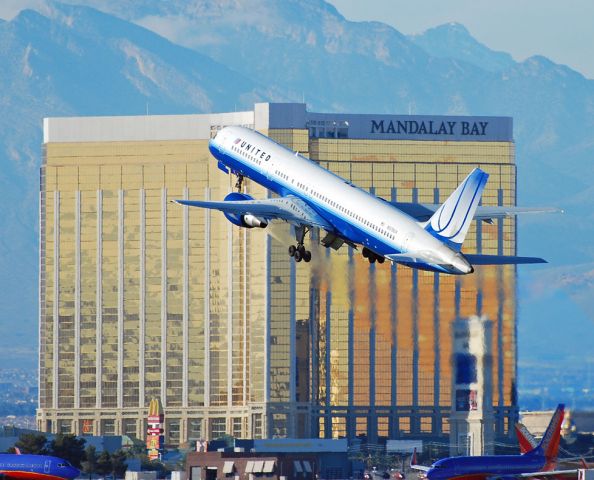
<point x="141" y="298"/>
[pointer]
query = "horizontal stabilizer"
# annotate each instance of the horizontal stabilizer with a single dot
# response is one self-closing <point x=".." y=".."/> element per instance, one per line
<point x="486" y="212"/>
<point x="423" y="211"/>
<point x="476" y="259"/>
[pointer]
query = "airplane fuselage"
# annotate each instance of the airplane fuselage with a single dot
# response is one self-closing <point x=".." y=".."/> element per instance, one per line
<point x="488" y="466"/>
<point x="356" y="215"/>
<point x="36" y="467"/>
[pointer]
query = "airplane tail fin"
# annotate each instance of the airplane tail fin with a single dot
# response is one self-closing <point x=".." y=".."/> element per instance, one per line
<point x="525" y="438"/>
<point x="549" y="445"/>
<point x="451" y="221"/>
<point x="414" y="465"/>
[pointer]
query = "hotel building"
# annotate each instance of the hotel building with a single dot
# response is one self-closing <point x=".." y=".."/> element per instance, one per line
<point x="141" y="298"/>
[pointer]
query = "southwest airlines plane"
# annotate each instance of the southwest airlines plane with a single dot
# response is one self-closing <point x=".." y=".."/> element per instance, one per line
<point x="36" y="467"/>
<point x="538" y="462"/>
<point x="427" y="237"/>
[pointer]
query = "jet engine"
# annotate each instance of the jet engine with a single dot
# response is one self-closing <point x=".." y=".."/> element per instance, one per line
<point x="246" y="221"/>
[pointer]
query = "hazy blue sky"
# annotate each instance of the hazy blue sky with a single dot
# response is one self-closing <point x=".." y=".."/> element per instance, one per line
<point x="560" y="30"/>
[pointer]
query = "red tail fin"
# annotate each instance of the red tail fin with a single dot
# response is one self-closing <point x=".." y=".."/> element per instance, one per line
<point x="525" y="438"/>
<point x="549" y="445"/>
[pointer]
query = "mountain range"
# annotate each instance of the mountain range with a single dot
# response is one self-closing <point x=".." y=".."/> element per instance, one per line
<point x="113" y="57"/>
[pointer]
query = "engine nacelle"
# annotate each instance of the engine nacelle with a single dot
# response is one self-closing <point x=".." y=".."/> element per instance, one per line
<point x="246" y="221"/>
<point x="249" y="221"/>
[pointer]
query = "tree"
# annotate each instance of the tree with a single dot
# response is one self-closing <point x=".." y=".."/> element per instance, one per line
<point x="153" y="466"/>
<point x="90" y="464"/>
<point x="35" y="443"/>
<point x="69" y="447"/>
<point x="104" y="463"/>
<point x="118" y="464"/>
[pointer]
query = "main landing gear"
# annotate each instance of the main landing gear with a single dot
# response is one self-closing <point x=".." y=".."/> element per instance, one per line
<point x="299" y="252"/>
<point x="239" y="182"/>
<point x="372" y="256"/>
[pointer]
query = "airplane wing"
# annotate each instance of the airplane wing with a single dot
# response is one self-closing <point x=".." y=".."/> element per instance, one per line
<point x="423" y="211"/>
<point x="290" y="209"/>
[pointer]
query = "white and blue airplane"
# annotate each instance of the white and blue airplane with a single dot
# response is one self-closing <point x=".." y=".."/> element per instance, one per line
<point x="427" y="237"/>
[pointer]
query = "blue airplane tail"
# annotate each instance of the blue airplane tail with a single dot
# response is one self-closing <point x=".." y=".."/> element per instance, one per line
<point x="451" y="221"/>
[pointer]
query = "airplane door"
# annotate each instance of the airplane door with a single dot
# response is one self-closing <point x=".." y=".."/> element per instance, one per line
<point x="46" y="466"/>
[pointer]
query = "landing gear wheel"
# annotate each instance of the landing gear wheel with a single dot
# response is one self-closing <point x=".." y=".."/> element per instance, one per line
<point x="381" y="259"/>
<point x="372" y="259"/>
<point x="365" y="253"/>
<point x="298" y="252"/>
